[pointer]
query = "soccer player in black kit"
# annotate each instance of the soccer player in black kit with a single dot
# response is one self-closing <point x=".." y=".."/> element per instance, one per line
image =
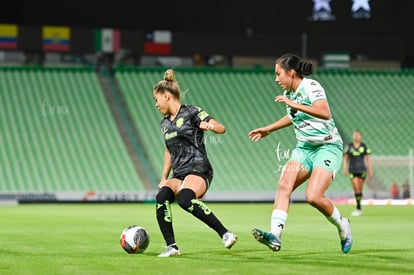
<point x="357" y="163"/>
<point x="183" y="129"/>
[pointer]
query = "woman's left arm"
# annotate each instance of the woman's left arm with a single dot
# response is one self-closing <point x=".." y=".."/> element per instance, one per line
<point x="369" y="166"/>
<point x="213" y="125"/>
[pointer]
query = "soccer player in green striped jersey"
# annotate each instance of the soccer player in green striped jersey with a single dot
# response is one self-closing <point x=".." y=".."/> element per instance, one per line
<point x="318" y="153"/>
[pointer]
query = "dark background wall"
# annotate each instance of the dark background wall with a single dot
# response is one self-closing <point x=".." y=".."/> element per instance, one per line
<point x="254" y="28"/>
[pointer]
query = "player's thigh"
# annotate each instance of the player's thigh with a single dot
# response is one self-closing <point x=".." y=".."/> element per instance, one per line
<point x="195" y="183"/>
<point x="328" y="157"/>
<point x="174" y="184"/>
<point x="327" y="161"/>
<point x="294" y="174"/>
<point x="357" y="183"/>
<point x="319" y="182"/>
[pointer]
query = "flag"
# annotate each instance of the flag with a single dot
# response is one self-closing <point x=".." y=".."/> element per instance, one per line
<point x="8" y="36"/>
<point x="107" y="40"/>
<point x="158" y="42"/>
<point x="56" y="38"/>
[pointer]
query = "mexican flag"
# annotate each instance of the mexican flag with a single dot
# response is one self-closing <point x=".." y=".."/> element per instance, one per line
<point x="107" y="40"/>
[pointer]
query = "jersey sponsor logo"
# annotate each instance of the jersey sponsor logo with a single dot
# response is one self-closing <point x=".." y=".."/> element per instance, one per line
<point x="327" y="138"/>
<point x="170" y="135"/>
<point x="318" y="93"/>
<point x="356" y="152"/>
<point x="303" y="125"/>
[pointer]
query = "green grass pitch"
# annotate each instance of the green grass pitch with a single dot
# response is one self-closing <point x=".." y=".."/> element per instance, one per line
<point x="84" y="239"/>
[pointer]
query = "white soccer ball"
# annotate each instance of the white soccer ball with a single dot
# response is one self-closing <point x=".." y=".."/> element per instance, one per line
<point x="134" y="239"/>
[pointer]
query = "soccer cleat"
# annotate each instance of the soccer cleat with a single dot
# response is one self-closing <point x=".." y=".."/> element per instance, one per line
<point x="229" y="239"/>
<point x="267" y="238"/>
<point x="170" y="252"/>
<point x="356" y="213"/>
<point x="346" y="236"/>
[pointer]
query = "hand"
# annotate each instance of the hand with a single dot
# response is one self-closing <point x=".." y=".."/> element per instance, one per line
<point x="283" y="99"/>
<point x="259" y="133"/>
<point x="370" y="175"/>
<point x="162" y="183"/>
<point x="206" y="126"/>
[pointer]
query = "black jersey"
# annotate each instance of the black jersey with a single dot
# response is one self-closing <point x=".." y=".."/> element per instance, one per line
<point x="357" y="157"/>
<point x="185" y="141"/>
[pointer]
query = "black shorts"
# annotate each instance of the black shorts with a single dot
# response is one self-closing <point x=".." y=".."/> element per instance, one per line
<point x="362" y="175"/>
<point x="207" y="176"/>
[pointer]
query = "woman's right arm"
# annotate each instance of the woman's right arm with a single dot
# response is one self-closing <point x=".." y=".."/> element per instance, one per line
<point x="346" y="163"/>
<point x="262" y="132"/>
<point x="167" y="167"/>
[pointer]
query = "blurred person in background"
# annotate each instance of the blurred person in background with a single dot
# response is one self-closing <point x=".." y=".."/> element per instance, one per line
<point x="406" y="190"/>
<point x="395" y="191"/>
<point x="357" y="166"/>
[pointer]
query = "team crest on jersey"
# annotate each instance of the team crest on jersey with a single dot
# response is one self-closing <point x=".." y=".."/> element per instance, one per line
<point x="299" y="97"/>
<point x="179" y="122"/>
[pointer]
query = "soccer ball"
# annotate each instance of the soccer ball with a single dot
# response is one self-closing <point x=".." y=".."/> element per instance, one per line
<point x="134" y="239"/>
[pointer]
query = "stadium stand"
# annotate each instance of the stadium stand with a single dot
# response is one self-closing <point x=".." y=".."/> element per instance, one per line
<point x="378" y="104"/>
<point x="58" y="134"/>
<point x="232" y="98"/>
<point x="243" y="100"/>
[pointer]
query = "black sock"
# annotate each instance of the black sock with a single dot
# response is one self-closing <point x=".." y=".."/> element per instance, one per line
<point x="164" y="198"/>
<point x="188" y="201"/>
<point x="358" y="198"/>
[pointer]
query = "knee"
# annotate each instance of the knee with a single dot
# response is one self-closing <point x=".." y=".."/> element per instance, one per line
<point x="312" y="198"/>
<point x="185" y="197"/>
<point x="284" y="187"/>
<point x="165" y="194"/>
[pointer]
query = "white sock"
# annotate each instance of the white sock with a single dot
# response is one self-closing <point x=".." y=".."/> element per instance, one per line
<point x="336" y="218"/>
<point x="277" y="222"/>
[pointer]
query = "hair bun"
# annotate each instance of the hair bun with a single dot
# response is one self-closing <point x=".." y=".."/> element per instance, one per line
<point x="305" y="68"/>
<point x="169" y="75"/>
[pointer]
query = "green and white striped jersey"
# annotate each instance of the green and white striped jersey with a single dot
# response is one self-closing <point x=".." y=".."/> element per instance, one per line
<point x="309" y="128"/>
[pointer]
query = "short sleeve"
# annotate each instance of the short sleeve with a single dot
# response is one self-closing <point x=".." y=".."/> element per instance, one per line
<point x="367" y="149"/>
<point x="346" y="150"/>
<point x="315" y="91"/>
<point x="201" y="115"/>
